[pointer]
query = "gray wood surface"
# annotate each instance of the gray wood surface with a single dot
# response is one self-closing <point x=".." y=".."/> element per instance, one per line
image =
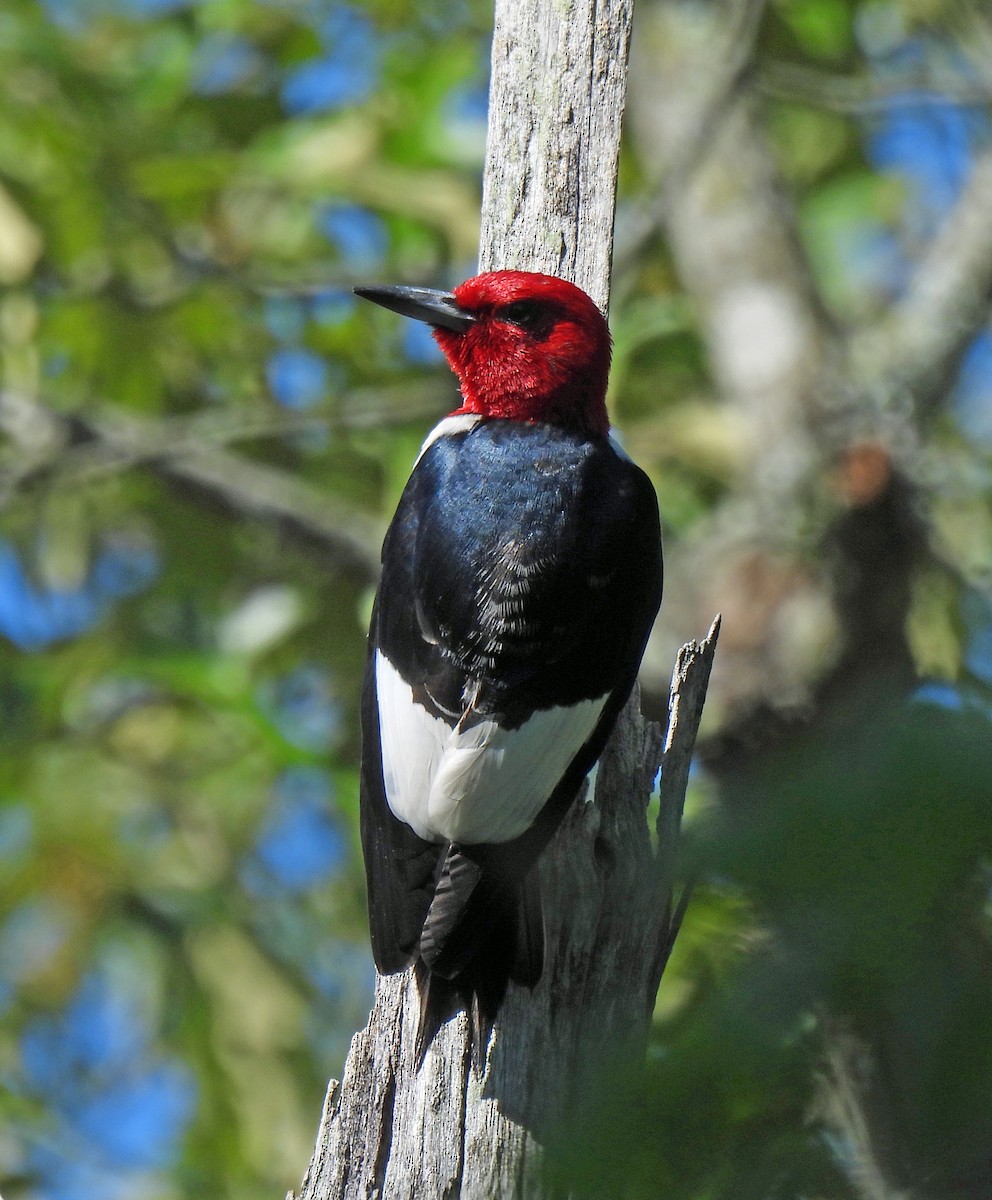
<point x="391" y="1130"/>
<point x="388" y="1128"/>
<point x="559" y="73"/>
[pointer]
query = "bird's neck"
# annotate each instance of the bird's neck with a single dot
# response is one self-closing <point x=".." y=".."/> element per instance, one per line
<point x="577" y="404"/>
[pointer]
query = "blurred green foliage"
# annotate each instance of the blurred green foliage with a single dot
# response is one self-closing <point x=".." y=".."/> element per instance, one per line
<point x="187" y="193"/>
<point x="838" y="954"/>
<point x="167" y="225"/>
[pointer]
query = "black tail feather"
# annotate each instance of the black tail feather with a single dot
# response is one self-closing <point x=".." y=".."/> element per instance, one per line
<point x="441" y="999"/>
<point x="498" y="937"/>
<point x="481" y="909"/>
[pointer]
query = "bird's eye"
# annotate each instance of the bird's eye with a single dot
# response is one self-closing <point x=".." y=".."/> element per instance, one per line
<point x="525" y="313"/>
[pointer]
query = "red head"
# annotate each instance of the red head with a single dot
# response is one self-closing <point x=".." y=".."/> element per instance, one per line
<point x="525" y="347"/>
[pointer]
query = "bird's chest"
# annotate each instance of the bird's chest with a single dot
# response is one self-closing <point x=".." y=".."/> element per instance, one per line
<point x="495" y="567"/>
<point x="503" y="516"/>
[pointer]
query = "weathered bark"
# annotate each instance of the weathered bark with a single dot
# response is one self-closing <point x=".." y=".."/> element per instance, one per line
<point x="389" y="1128"/>
<point x="559" y="74"/>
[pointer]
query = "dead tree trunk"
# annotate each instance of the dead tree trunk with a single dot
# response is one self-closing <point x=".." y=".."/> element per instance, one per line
<point x="389" y="1129"/>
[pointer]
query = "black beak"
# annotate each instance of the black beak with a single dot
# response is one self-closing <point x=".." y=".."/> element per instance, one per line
<point x="423" y="304"/>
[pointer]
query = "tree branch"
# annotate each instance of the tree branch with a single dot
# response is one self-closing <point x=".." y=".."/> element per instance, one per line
<point x="866" y="94"/>
<point x="57" y="448"/>
<point x="848" y="1101"/>
<point x="916" y="348"/>
<point x="692" y="136"/>
<point x="394" y="1127"/>
<point x="442" y="1130"/>
<point x="556" y="102"/>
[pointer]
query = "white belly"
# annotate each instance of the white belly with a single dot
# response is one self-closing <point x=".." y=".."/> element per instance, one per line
<point x="477" y="785"/>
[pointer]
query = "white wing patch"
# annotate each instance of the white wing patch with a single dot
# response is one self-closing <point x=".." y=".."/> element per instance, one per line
<point x="478" y="785"/>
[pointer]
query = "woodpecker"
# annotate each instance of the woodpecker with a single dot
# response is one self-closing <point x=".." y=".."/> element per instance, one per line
<point x="520" y="578"/>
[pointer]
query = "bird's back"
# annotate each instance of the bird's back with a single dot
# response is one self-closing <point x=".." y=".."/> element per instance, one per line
<point x="521" y="575"/>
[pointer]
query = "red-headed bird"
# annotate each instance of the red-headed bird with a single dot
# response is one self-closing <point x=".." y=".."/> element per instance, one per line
<point x="520" y="578"/>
